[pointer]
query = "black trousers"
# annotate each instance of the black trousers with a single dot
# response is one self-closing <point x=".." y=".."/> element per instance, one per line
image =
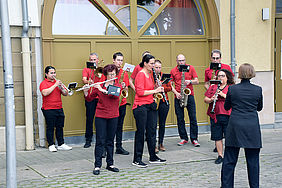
<point x="146" y="120"/>
<point x="90" y="113"/>
<point x="105" y="134"/>
<point x="162" y="115"/>
<point x="54" y="118"/>
<point x="230" y="161"/>
<point x="122" y="112"/>
<point x="191" y="107"/>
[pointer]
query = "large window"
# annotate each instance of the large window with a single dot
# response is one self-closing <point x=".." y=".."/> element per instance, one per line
<point x="105" y="17"/>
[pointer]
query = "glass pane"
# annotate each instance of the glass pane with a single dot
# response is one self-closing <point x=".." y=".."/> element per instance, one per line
<point x="67" y="22"/>
<point x="112" y="30"/>
<point x="152" y="30"/>
<point x="278" y="6"/>
<point x="145" y="9"/>
<point x="121" y="9"/>
<point x="180" y="17"/>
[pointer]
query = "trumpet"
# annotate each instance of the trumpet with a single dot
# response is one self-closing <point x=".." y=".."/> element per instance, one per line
<point x="63" y="87"/>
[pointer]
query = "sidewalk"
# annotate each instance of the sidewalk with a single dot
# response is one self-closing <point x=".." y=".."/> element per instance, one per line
<point x="186" y="166"/>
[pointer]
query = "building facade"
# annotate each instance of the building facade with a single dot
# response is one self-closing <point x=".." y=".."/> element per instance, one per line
<point x="64" y="32"/>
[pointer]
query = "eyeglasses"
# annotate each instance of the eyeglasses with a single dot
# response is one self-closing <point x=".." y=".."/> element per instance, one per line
<point x="222" y="75"/>
<point x="215" y="58"/>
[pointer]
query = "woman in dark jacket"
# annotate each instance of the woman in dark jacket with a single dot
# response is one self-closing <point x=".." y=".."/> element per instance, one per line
<point x="243" y="130"/>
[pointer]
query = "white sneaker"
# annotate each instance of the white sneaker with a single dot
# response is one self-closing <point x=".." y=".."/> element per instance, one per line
<point x="64" y="147"/>
<point x="52" y="148"/>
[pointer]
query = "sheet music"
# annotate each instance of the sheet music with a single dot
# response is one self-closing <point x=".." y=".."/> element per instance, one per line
<point x="128" y="67"/>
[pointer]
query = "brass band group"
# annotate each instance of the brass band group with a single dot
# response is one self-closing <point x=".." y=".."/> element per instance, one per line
<point x="232" y="110"/>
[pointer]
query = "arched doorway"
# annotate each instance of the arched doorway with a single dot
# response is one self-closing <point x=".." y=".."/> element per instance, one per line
<point x="71" y="29"/>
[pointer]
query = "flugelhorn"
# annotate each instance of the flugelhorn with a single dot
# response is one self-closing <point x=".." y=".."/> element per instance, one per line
<point x="63" y="87"/>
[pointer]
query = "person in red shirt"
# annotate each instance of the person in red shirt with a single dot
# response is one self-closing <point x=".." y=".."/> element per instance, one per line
<point x="219" y="119"/>
<point x="191" y="78"/>
<point x="106" y="118"/>
<point x="145" y="114"/>
<point x="118" y="61"/>
<point x="163" y="107"/>
<point x="51" y="90"/>
<point x="89" y="77"/>
<point x="135" y="72"/>
<point x="215" y="58"/>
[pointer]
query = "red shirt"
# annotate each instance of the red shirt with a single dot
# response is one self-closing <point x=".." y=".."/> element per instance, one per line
<point x="143" y="83"/>
<point x="53" y="100"/>
<point x="135" y="71"/>
<point x="208" y="72"/>
<point x="107" y="106"/>
<point x="176" y="76"/>
<point x="219" y="106"/>
<point x="90" y="73"/>
<point x="126" y="81"/>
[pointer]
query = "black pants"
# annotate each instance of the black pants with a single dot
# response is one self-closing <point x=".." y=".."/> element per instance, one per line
<point x="90" y="113"/>
<point x="54" y="118"/>
<point x="146" y="120"/>
<point x="105" y="134"/>
<point x="191" y="107"/>
<point x="122" y="112"/>
<point x="162" y="115"/>
<point x="230" y="161"/>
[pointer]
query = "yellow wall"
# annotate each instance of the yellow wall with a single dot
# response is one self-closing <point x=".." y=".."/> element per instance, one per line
<point x="253" y="37"/>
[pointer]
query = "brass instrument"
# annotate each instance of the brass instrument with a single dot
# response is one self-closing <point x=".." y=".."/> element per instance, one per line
<point x="159" y="96"/>
<point x="184" y="92"/>
<point x="63" y="87"/>
<point x="124" y="92"/>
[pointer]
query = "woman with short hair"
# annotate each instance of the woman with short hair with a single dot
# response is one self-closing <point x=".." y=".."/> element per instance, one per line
<point x="243" y="130"/>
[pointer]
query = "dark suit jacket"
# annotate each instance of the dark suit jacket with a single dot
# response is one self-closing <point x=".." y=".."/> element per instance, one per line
<point x="243" y="129"/>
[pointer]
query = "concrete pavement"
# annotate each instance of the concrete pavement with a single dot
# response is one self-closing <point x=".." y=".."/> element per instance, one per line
<point x="186" y="166"/>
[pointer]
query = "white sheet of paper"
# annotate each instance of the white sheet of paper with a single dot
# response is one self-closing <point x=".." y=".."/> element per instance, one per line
<point x="128" y="67"/>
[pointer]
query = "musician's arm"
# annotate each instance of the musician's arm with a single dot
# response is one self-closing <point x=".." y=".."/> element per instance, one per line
<point x="207" y="85"/>
<point x="48" y="91"/>
<point x="195" y="81"/>
<point x="227" y="104"/>
<point x="131" y="84"/>
<point x="85" y="80"/>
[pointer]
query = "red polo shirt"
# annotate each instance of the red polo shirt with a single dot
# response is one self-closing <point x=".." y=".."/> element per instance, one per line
<point x="208" y="72"/>
<point x="143" y="83"/>
<point x="53" y="100"/>
<point x="126" y="81"/>
<point x="167" y="88"/>
<point x="219" y="106"/>
<point x="90" y="73"/>
<point x="107" y="106"/>
<point x="135" y="71"/>
<point x="176" y="76"/>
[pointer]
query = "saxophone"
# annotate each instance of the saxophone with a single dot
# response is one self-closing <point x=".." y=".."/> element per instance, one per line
<point x="184" y="92"/>
<point x="124" y="92"/>
<point x="158" y="96"/>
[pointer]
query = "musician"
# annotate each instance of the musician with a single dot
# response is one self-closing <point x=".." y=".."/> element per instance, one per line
<point x="107" y="113"/>
<point x="215" y="58"/>
<point x="191" y="78"/>
<point x="52" y="109"/>
<point x="89" y="77"/>
<point x="219" y="119"/>
<point x="145" y="114"/>
<point x="118" y="61"/>
<point x="243" y="130"/>
<point x="163" y="107"/>
<point x="135" y="71"/>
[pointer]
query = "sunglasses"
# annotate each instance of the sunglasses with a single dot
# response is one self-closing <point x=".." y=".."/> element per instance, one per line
<point x="215" y="58"/>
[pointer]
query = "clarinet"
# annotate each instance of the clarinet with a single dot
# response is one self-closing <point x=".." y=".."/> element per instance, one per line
<point x="215" y="99"/>
<point x="158" y="82"/>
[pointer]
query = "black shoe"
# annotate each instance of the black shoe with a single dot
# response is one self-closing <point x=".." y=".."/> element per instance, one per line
<point x="121" y="151"/>
<point x="87" y="144"/>
<point x="96" y="171"/>
<point x="157" y="160"/>
<point x="218" y="160"/>
<point x="104" y="154"/>
<point x="112" y="168"/>
<point x="140" y="164"/>
<point x="215" y="150"/>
